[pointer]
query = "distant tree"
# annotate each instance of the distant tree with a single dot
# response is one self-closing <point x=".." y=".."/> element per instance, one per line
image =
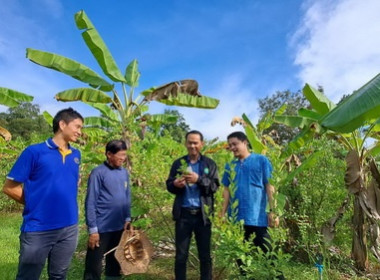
<point x="178" y="129"/>
<point x="294" y="101"/>
<point x="23" y="120"/>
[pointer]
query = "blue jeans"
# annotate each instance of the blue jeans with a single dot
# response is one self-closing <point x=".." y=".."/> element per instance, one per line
<point x="57" y="246"/>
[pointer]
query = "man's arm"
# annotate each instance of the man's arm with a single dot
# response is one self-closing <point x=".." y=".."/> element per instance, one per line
<point x="90" y="210"/>
<point x="273" y="221"/>
<point x="270" y="192"/>
<point x="14" y="190"/>
<point x="226" y="200"/>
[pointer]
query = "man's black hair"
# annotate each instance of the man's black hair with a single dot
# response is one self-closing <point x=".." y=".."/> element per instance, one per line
<point x="194" y="132"/>
<point x="66" y="115"/>
<point x="239" y="135"/>
<point x="115" y="146"/>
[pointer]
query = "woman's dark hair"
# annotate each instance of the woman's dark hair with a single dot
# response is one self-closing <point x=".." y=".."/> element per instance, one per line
<point x="194" y="132"/>
<point x="115" y="146"/>
<point x="66" y="115"/>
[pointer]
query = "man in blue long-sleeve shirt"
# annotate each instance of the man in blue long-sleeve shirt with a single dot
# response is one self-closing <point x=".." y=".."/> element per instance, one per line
<point x="108" y="211"/>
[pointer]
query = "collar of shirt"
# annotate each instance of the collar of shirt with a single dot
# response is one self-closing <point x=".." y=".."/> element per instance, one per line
<point x="110" y="166"/>
<point x="50" y="143"/>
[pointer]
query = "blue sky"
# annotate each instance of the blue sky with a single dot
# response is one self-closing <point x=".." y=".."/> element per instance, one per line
<point x="238" y="50"/>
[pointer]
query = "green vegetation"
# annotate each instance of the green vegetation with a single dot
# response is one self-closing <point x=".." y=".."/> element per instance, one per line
<point x="329" y="206"/>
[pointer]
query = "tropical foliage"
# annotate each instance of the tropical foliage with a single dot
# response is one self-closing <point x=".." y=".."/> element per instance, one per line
<point x="122" y="113"/>
<point x="351" y="123"/>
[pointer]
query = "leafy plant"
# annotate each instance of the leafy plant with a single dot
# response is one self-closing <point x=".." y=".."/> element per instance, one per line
<point x="122" y="114"/>
<point x="350" y="123"/>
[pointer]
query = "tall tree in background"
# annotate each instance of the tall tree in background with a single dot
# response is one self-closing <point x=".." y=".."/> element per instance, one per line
<point x="178" y="129"/>
<point x="295" y="100"/>
<point x="23" y="120"/>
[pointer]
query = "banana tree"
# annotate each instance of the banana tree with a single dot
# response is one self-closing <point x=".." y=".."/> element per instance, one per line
<point x="123" y="112"/>
<point x="351" y="123"/>
<point x="11" y="98"/>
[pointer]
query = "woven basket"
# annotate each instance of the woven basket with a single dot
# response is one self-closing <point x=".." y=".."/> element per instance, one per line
<point x="134" y="252"/>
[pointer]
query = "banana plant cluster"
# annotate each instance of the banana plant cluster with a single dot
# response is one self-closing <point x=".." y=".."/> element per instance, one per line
<point x="121" y="113"/>
<point x="355" y="123"/>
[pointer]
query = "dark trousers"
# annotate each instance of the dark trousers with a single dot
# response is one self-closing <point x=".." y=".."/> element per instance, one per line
<point x="57" y="246"/>
<point x="184" y="227"/>
<point x="262" y="239"/>
<point x="94" y="258"/>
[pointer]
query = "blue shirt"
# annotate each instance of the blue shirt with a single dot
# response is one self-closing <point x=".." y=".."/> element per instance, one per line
<point x="191" y="197"/>
<point x="50" y="177"/>
<point x="251" y="176"/>
<point x="108" y="199"/>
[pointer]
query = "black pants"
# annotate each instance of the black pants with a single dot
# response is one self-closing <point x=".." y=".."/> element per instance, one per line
<point x="184" y="227"/>
<point x="93" y="269"/>
<point x="262" y="240"/>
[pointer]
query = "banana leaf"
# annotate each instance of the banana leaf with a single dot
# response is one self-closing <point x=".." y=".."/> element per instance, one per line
<point x="374" y="150"/>
<point x="95" y="132"/>
<point x="132" y="74"/>
<point x="12" y="98"/>
<point x="300" y="140"/>
<point x="98" y="122"/>
<point x="257" y="146"/>
<point x="309" y="162"/>
<point x="309" y="114"/>
<point x="69" y="67"/>
<point x="191" y="101"/>
<point x="162" y="118"/>
<point x="265" y="122"/>
<point x="105" y="110"/>
<point x="83" y="94"/>
<point x="282" y="109"/>
<point x="363" y="105"/>
<point x="293" y="121"/>
<point x="48" y="118"/>
<point x="98" y="48"/>
<point x="318" y="100"/>
<point x="252" y="135"/>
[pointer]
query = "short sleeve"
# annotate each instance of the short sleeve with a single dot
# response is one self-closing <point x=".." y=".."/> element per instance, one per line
<point x="226" y="176"/>
<point x="267" y="170"/>
<point x="22" y="168"/>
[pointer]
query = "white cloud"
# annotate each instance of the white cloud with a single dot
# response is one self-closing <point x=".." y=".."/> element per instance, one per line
<point x="338" y="45"/>
<point x="234" y="101"/>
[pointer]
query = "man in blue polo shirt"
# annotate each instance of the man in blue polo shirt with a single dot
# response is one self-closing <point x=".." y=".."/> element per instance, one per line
<point x="45" y="179"/>
<point x="108" y="211"/>
<point x="253" y="191"/>
<point x="193" y="179"/>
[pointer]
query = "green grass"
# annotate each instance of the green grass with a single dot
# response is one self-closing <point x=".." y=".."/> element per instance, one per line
<point x="9" y="244"/>
<point x="160" y="269"/>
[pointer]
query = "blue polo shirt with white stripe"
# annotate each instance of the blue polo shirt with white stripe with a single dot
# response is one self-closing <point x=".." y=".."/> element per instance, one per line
<point x="50" y="177"/>
<point x="250" y="179"/>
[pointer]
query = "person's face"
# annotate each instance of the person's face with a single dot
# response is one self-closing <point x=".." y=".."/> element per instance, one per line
<point x="237" y="147"/>
<point x="194" y="145"/>
<point x="72" y="130"/>
<point x="117" y="160"/>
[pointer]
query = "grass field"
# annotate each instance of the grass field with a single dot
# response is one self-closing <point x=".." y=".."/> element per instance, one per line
<point x="159" y="269"/>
